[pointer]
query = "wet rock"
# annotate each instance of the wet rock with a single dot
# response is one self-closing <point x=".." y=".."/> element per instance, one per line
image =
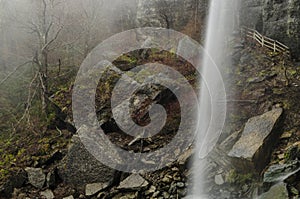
<point x="252" y="151"/>
<point x="36" y="177"/>
<point x="277" y="191"/>
<point x="47" y="194"/>
<point x="92" y="189"/>
<point x="134" y="181"/>
<point x="79" y="167"/>
<point x="281" y="172"/>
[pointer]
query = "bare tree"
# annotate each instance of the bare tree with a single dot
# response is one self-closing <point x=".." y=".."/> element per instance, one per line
<point x="46" y="26"/>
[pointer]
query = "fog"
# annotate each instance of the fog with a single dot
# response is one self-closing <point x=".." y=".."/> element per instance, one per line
<point x="86" y="21"/>
<point x="44" y="41"/>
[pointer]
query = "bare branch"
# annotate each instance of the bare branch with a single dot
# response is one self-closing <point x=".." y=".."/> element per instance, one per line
<point x="52" y="40"/>
<point x="48" y="29"/>
<point x="15" y="70"/>
<point x="29" y="100"/>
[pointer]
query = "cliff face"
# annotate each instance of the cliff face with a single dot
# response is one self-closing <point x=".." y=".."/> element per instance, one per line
<point x="277" y="19"/>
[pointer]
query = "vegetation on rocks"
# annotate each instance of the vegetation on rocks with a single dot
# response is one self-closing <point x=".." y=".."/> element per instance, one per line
<point x="41" y="155"/>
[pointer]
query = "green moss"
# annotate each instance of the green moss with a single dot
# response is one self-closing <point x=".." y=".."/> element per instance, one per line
<point x="292" y="72"/>
<point x="21" y="152"/>
<point x="130" y="73"/>
<point x="128" y="59"/>
<point x="7" y="159"/>
<point x="3" y="173"/>
<point x="234" y="177"/>
<point x="140" y="77"/>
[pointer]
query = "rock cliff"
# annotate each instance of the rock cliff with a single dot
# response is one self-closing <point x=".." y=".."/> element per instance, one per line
<point x="277" y="19"/>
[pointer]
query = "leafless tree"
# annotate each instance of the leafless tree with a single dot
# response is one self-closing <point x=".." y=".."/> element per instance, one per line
<point x="46" y="26"/>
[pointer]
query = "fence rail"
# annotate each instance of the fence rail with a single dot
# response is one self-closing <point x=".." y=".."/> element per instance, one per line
<point x="264" y="41"/>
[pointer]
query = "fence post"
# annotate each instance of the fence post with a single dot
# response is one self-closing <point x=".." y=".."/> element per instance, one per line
<point x="264" y="39"/>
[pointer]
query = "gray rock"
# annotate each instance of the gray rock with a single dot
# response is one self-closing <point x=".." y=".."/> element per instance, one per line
<point x="156" y="194"/>
<point x="36" y="177"/>
<point x="48" y="194"/>
<point x="69" y="197"/>
<point x="129" y="196"/>
<point x="180" y="184"/>
<point x="219" y="179"/>
<point x="166" y="194"/>
<point x="79" y="167"/>
<point x="281" y="172"/>
<point x="228" y="143"/>
<point x="277" y="191"/>
<point x="188" y="48"/>
<point x="252" y="151"/>
<point x="50" y="179"/>
<point x="134" y="181"/>
<point x="92" y="189"/>
<point x="152" y="189"/>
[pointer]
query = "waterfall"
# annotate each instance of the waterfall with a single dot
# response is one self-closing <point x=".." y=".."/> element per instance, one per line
<point x="220" y="26"/>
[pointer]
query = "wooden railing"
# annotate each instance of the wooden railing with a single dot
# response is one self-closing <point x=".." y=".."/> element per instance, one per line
<point x="264" y="41"/>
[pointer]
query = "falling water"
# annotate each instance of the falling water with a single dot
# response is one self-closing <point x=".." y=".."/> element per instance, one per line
<point x="220" y="27"/>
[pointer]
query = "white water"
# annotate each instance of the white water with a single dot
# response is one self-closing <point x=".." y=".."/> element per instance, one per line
<point x="221" y="24"/>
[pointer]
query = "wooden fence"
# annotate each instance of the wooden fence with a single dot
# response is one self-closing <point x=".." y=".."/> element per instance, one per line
<point x="264" y="41"/>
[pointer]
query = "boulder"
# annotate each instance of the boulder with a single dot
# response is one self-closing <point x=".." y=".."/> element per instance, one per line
<point x="278" y="191"/>
<point x="253" y="149"/>
<point x="92" y="189"/>
<point x="134" y="181"/>
<point x="281" y="172"/>
<point x="36" y="177"/>
<point x="79" y="167"/>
